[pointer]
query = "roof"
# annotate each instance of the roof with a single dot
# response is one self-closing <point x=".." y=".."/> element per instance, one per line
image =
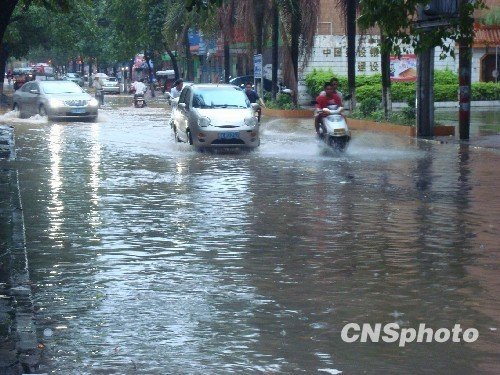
<point x="486" y="36"/>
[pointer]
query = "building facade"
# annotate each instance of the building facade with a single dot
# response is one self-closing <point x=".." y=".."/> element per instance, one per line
<point x="330" y="48"/>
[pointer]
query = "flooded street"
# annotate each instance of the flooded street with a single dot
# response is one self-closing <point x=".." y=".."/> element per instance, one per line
<point x="148" y="257"/>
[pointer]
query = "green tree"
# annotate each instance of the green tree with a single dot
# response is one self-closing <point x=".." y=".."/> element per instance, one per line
<point x="13" y="11"/>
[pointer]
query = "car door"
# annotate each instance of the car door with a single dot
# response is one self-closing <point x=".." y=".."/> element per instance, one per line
<point x="25" y="97"/>
<point x="32" y="98"/>
<point x="181" y="116"/>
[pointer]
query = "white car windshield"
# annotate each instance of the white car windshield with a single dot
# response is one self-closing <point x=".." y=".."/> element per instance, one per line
<point x="220" y="98"/>
<point x="60" y="87"/>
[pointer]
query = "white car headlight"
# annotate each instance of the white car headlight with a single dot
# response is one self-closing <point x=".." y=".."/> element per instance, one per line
<point x="203" y="122"/>
<point x="93" y="102"/>
<point x="56" y="103"/>
<point x="251" y="121"/>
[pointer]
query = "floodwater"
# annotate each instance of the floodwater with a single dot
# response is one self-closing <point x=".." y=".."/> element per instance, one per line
<point x="148" y="257"/>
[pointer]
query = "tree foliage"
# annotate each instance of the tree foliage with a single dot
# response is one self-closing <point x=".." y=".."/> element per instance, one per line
<point x="396" y="20"/>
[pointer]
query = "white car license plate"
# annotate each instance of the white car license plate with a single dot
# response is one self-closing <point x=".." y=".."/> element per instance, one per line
<point x="78" y="110"/>
<point x="229" y="135"/>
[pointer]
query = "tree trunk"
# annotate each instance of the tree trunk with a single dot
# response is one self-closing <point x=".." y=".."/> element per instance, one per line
<point x="173" y="58"/>
<point x="258" y="19"/>
<point x="5" y="15"/>
<point x="82" y="70"/>
<point x="385" y="63"/>
<point x="276" y="23"/>
<point x="294" y="46"/>
<point x="90" y="72"/>
<point x="227" y="61"/>
<point x="189" y="59"/>
<point x="3" y="62"/>
<point x="351" y="50"/>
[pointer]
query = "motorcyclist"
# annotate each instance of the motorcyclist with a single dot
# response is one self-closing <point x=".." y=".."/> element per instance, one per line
<point x="253" y="97"/>
<point x="330" y="97"/>
<point x="140" y="88"/>
<point x="175" y="92"/>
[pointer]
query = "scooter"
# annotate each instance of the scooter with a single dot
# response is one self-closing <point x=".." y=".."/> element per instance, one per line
<point x="139" y="101"/>
<point x="332" y="127"/>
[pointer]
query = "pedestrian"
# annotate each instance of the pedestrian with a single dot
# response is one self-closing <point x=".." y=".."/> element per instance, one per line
<point x="10" y="75"/>
<point x="99" y="92"/>
<point x="175" y="92"/>
<point x="253" y="97"/>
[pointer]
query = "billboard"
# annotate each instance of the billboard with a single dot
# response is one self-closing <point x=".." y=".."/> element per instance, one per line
<point x="403" y="69"/>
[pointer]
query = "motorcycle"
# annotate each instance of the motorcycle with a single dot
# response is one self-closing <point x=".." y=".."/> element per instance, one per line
<point x="332" y="127"/>
<point x="139" y="101"/>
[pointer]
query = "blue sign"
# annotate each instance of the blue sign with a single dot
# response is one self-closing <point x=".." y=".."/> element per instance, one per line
<point x="257" y="66"/>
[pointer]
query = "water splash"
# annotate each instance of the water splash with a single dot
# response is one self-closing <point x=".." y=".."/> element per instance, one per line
<point x="12" y="117"/>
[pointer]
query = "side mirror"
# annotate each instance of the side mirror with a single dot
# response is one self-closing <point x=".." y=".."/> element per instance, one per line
<point x="255" y="106"/>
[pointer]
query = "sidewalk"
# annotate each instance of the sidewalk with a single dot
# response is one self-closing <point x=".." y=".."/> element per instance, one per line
<point x="18" y="343"/>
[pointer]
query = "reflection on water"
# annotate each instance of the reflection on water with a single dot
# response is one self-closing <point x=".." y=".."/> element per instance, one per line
<point x="168" y="260"/>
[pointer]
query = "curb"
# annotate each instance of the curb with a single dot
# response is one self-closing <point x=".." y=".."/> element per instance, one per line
<point x="19" y="351"/>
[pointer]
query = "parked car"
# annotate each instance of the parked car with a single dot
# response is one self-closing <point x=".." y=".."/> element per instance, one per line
<point x="23" y="75"/>
<point x="111" y="84"/>
<point x="55" y="99"/>
<point x="213" y="115"/>
<point x="74" y="77"/>
<point x="242" y="80"/>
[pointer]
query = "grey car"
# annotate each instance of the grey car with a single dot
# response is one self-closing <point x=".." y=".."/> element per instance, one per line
<point x="55" y="99"/>
<point x="110" y="85"/>
<point x="215" y="115"/>
<point x="74" y="77"/>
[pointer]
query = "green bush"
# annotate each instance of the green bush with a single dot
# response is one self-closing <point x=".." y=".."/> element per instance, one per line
<point x="368" y="106"/>
<point x="445" y="87"/>
<point x="367" y="92"/>
<point x="403" y="91"/>
<point x="446" y="93"/>
<point x="485" y="91"/>
<point x="363" y="80"/>
<point x="445" y="77"/>
<point x="283" y="101"/>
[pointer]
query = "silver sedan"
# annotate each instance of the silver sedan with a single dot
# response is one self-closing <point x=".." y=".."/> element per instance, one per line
<point x="54" y="99"/>
<point x="215" y="115"/>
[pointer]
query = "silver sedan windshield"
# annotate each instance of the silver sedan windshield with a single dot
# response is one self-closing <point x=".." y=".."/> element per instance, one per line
<point x="60" y="87"/>
<point x="220" y="98"/>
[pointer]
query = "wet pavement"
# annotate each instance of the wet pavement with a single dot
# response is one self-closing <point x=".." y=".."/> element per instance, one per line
<point x="148" y="257"/>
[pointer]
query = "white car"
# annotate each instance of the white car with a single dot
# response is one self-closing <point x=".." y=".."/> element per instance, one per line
<point x="215" y="115"/>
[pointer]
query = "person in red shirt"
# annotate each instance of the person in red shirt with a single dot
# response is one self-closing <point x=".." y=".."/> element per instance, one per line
<point x="331" y="97"/>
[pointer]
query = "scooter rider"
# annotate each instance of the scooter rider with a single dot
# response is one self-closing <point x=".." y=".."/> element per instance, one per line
<point x="140" y="88"/>
<point x="253" y="97"/>
<point x="331" y="97"/>
<point x="175" y="92"/>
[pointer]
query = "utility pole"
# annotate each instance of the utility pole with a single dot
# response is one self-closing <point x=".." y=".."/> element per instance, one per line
<point x="464" y="81"/>
<point x="431" y="14"/>
<point x="425" y="93"/>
